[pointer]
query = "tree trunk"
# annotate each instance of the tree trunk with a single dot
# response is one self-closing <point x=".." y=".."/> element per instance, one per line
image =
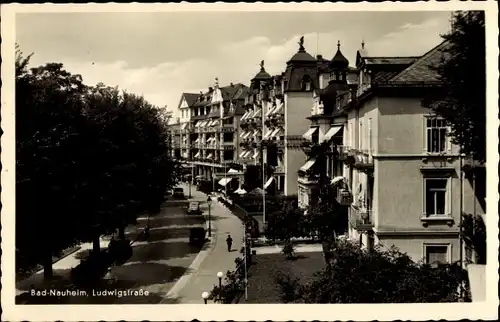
<point x="96" y="244"/>
<point x="48" y="272"/>
<point x="121" y="232"/>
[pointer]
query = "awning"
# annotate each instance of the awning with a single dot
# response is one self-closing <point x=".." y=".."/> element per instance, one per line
<point x="232" y="171"/>
<point x="257" y="112"/>
<point x="308" y="165"/>
<point x="268" y="134"/>
<point x="257" y="191"/>
<point x="337" y="179"/>
<point x="215" y="123"/>
<point x="244" y="116"/>
<point x="242" y="154"/>
<point x="278" y="109"/>
<point x="242" y="134"/>
<point x="247" y="154"/>
<point x="268" y="182"/>
<point x="308" y="135"/>
<point x="270" y="111"/>
<point x="197" y="155"/>
<point x="332" y="132"/>
<point x="183" y="126"/>
<point x="256" y="155"/>
<point x="197" y="140"/>
<point x="240" y="191"/>
<point x="209" y="156"/>
<point x="275" y="132"/>
<point x="247" y="134"/>
<point x="255" y="132"/>
<point x="224" y="181"/>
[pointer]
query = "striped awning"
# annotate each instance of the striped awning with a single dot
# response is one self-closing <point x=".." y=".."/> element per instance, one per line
<point x="332" y="132"/>
<point x="247" y="134"/>
<point x="224" y="181"/>
<point x="268" y="182"/>
<point x="270" y="111"/>
<point x="197" y="155"/>
<point x="257" y="113"/>
<point x="256" y="155"/>
<point x="268" y="134"/>
<point x="183" y="126"/>
<point x="308" y="135"/>
<point x="245" y="115"/>
<point x="308" y="165"/>
<point x="242" y="154"/>
<point x="276" y="132"/>
<point x="209" y="156"/>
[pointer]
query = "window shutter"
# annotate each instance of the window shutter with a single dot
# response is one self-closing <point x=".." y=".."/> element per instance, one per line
<point x="424" y="134"/>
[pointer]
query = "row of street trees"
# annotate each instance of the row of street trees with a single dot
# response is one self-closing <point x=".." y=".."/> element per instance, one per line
<point x="89" y="160"/>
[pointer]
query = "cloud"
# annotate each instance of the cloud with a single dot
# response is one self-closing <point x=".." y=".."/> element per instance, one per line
<point x="238" y="62"/>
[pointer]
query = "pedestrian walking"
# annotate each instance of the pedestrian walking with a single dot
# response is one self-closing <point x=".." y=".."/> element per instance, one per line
<point x="229" y="242"/>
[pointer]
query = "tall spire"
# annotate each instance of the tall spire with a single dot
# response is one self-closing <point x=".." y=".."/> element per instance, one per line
<point x="338" y="45"/>
<point x="363" y="44"/>
<point x="262" y="69"/>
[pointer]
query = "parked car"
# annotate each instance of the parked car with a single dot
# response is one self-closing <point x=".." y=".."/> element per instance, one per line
<point x="194" y="208"/>
<point x="197" y="236"/>
<point x="178" y="193"/>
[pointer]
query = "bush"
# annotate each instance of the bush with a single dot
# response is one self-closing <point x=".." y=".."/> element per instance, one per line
<point x="356" y="275"/>
<point x="289" y="249"/>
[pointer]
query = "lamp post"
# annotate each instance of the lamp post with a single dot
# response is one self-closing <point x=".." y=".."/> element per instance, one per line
<point x="220" y="275"/>
<point x="209" y="202"/>
<point x="204" y="296"/>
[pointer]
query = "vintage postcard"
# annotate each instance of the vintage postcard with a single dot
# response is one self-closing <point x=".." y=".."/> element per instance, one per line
<point x="161" y="160"/>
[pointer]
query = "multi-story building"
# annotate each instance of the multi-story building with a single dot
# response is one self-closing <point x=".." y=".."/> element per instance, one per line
<point x="275" y="111"/>
<point x="404" y="173"/>
<point x="336" y="83"/>
<point x="209" y="129"/>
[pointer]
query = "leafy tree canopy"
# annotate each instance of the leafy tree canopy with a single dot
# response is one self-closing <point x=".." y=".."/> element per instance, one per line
<point x="90" y="159"/>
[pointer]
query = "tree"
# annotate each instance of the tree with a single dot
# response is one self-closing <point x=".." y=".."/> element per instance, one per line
<point x="89" y="161"/>
<point x="285" y="223"/>
<point x="48" y="133"/>
<point x="376" y="276"/>
<point x="461" y="100"/>
<point x="325" y="218"/>
<point x="474" y="235"/>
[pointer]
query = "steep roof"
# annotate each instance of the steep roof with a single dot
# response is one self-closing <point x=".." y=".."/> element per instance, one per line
<point x="190" y="98"/>
<point x="421" y="70"/>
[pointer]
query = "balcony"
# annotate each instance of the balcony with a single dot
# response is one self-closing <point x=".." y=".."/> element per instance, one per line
<point x="227" y="129"/>
<point x="361" y="219"/>
<point x="343" y="197"/>
<point x="360" y="159"/>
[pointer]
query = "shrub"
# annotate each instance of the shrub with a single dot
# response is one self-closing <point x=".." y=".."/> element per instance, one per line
<point x="289" y="249"/>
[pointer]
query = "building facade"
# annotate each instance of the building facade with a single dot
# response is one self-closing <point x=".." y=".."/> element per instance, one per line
<point x="208" y="131"/>
<point x="395" y="160"/>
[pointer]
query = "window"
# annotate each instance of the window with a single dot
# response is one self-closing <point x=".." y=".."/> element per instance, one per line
<point x="436" y="254"/>
<point x="435" y="196"/>
<point x="436" y="135"/>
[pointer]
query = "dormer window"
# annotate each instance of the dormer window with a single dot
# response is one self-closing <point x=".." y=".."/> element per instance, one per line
<point x="306" y="83"/>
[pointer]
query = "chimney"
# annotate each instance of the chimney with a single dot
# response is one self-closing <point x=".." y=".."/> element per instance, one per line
<point x="319" y="57"/>
<point x="232" y="85"/>
<point x="210" y="89"/>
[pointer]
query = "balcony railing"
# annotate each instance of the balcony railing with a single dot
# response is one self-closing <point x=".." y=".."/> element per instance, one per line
<point x="344" y="197"/>
<point x="362" y="219"/>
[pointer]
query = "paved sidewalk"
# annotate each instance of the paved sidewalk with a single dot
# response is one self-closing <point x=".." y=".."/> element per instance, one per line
<point x="213" y="260"/>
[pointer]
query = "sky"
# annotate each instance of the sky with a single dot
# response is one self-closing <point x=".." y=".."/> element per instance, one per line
<point x="161" y="55"/>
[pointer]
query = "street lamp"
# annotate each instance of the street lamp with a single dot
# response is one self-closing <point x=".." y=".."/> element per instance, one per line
<point x="204" y="296"/>
<point x="220" y="275"/>
<point x="209" y="202"/>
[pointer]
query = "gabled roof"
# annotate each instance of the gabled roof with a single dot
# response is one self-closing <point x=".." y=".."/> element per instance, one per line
<point x="190" y="98"/>
<point x="421" y="70"/>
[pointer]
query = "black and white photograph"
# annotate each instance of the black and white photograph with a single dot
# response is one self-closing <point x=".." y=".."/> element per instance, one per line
<point x="199" y="154"/>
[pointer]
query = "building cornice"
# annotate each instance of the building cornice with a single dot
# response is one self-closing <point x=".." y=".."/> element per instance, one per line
<point x="415" y="232"/>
